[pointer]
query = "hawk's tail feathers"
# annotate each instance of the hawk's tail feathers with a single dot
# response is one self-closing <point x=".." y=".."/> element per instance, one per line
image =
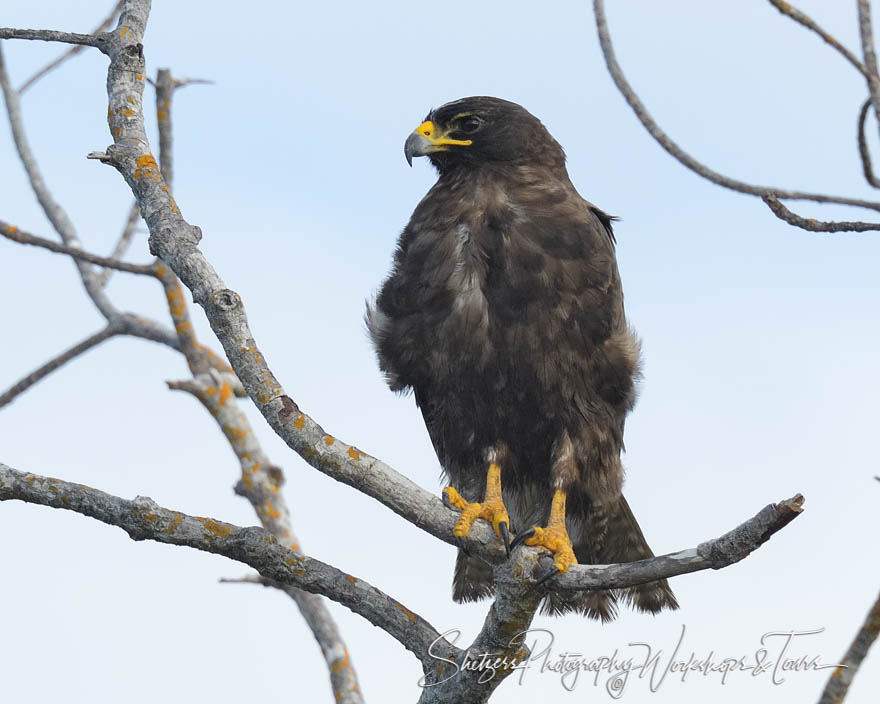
<point x="624" y="542"/>
<point x="472" y="580"/>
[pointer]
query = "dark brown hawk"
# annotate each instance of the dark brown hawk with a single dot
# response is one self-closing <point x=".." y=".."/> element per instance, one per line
<point x="504" y="315"/>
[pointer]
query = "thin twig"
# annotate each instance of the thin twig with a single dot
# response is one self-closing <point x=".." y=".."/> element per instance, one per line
<point x="138" y="326"/>
<point x="73" y="51"/>
<point x="50" y="35"/>
<point x="798" y="16"/>
<point x="184" y="82"/>
<point x="864" y="152"/>
<point x="813" y="225"/>
<point x="866" y="32"/>
<point x="840" y="680"/>
<point x="192" y="350"/>
<point x="122" y="245"/>
<point x="678" y="153"/>
<point x="164" y="91"/>
<point x="57" y="362"/>
<point x="53" y="210"/>
<point x="13" y="233"/>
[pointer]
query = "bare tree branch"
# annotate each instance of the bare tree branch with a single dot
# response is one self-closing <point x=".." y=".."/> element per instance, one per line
<point x="54" y="212"/>
<point x="260" y="484"/>
<point x="840" y="680"/>
<point x="713" y="554"/>
<point x="813" y="225"/>
<point x="70" y="53"/>
<point x="864" y="152"/>
<point x="164" y="91"/>
<point x="143" y="519"/>
<point x="260" y="481"/>
<point x="59" y="361"/>
<point x="867" y="34"/>
<point x="801" y="18"/>
<point x="132" y="325"/>
<point x="516" y="579"/>
<point x="51" y="35"/>
<point x="13" y="233"/>
<point x="697" y="167"/>
<point x="134" y="217"/>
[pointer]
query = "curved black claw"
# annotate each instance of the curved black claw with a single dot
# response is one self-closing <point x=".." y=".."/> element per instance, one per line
<point x="461" y="544"/>
<point x="505" y="537"/>
<point x="550" y="575"/>
<point x="520" y="538"/>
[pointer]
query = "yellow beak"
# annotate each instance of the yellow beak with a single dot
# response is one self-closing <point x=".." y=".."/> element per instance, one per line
<point x="427" y="139"/>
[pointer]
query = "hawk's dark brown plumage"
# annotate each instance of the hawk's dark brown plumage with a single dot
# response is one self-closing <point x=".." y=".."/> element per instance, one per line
<point x="504" y="314"/>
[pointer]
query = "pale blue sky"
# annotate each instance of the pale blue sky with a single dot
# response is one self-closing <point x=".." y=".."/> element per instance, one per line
<point x="760" y="341"/>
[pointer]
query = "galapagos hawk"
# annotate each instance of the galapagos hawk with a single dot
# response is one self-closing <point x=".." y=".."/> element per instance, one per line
<point x="503" y="313"/>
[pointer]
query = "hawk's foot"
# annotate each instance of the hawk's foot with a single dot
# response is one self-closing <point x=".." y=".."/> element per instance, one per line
<point x="491" y="509"/>
<point x="554" y="537"/>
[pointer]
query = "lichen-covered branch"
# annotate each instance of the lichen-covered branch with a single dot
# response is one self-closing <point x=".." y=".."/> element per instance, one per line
<point x="143" y="519"/>
<point x="70" y="53"/>
<point x="260" y="484"/>
<point x="50" y="35"/>
<point x="701" y="169"/>
<point x="164" y="92"/>
<point x="840" y="680"/>
<point x="712" y="554"/>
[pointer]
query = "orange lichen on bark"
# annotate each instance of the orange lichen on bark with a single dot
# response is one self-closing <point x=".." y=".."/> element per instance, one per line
<point x="172" y="526"/>
<point x="409" y="614"/>
<point x="351" y="579"/>
<point x="342" y="662"/>
<point x="225" y="394"/>
<point x="215" y="528"/>
<point x="147" y="166"/>
<point x="353" y="453"/>
<point x="271" y="510"/>
<point x="300" y="422"/>
<point x="329" y="440"/>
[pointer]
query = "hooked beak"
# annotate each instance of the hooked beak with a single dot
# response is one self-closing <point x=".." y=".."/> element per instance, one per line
<point x="427" y="139"/>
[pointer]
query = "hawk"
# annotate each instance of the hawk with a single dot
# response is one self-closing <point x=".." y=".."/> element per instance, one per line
<point x="503" y="314"/>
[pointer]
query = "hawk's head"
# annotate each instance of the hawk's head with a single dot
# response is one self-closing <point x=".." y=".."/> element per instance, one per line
<point x="481" y="130"/>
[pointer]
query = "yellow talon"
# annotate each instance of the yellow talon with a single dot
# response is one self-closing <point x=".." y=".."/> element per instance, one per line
<point x="555" y="536"/>
<point x="491" y="509"/>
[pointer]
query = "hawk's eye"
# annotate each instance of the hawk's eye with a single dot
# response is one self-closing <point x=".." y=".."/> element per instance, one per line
<point x="469" y="124"/>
